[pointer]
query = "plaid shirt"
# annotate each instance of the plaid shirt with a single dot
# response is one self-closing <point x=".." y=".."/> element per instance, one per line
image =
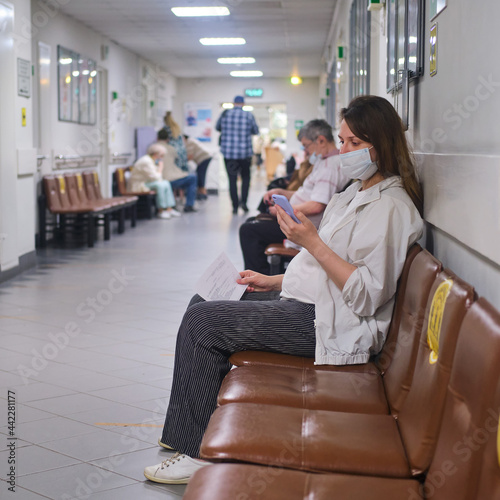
<point x="236" y="127"/>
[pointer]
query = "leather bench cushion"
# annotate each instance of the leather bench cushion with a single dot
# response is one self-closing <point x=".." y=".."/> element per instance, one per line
<point x="310" y="440"/>
<point x="260" y="358"/>
<point x="305" y="388"/>
<point x="250" y="482"/>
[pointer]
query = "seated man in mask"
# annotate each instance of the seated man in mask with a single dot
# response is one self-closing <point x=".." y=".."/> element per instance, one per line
<point x="311" y="198"/>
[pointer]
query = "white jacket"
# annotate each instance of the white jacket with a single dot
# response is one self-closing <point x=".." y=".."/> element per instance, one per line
<point x="352" y="324"/>
<point x="144" y="170"/>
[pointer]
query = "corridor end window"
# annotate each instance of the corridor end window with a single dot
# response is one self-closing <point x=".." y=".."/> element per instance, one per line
<point x="77" y="87"/>
<point x="404" y="41"/>
<point x="359" y="53"/>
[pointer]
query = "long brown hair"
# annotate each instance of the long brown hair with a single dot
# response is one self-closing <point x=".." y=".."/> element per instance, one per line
<point x="373" y="119"/>
<point x="172" y="124"/>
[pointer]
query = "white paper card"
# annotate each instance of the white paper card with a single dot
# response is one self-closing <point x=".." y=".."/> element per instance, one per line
<point x="218" y="282"/>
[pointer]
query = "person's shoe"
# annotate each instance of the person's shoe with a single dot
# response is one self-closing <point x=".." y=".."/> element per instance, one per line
<point x="163" y="445"/>
<point x="177" y="469"/>
<point x="174" y="213"/>
<point x="201" y="197"/>
<point x="235" y="211"/>
<point x="190" y="208"/>
<point x="244" y="207"/>
<point x="163" y="215"/>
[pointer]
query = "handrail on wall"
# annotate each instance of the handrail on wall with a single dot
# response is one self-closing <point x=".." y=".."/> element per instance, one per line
<point x="119" y="157"/>
<point x="76" y="161"/>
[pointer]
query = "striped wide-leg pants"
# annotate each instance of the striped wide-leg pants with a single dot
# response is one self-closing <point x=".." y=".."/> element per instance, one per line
<point x="209" y="333"/>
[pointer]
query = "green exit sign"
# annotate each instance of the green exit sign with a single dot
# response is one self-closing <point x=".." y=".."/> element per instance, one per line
<point x="254" y="92"/>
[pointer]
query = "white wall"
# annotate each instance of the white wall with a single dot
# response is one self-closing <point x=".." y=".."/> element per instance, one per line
<point x="453" y="130"/>
<point x="136" y="82"/>
<point x="17" y="156"/>
<point x="302" y="100"/>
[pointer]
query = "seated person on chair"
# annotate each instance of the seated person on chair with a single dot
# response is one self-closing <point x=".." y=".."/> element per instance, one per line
<point x="311" y="198"/>
<point x="337" y="295"/>
<point x="146" y="176"/>
<point x="178" y="178"/>
<point x="290" y="182"/>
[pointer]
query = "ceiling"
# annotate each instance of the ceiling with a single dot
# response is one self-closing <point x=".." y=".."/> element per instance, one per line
<point x="284" y="36"/>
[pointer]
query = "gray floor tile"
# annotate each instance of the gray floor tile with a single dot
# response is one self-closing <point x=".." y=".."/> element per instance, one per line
<point x="97" y="445"/>
<point x="142" y="491"/>
<point x="103" y="395"/>
<point x="43" y="431"/>
<point x="74" y="481"/>
<point x="32" y="459"/>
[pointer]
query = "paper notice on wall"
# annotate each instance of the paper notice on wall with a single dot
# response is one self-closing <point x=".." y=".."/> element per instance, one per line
<point x="218" y="282"/>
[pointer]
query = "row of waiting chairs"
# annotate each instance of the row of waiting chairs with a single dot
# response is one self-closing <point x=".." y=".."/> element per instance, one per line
<point x="78" y="207"/>
<point x="420" y="421"/>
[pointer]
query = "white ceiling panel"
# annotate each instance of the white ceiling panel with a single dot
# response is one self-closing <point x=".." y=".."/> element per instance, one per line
<point x="284" y="36"/>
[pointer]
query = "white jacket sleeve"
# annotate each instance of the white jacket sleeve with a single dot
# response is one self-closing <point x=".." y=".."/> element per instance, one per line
<point x="378" y="250"/>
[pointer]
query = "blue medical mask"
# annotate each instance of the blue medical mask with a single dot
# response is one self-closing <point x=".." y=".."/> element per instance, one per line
<point x="314" y="158"/>
<point x="358" y="164"/>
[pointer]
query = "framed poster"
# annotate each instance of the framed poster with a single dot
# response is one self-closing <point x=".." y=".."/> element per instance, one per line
<point x="198" y="120"/>
<point x="76" y="87"/>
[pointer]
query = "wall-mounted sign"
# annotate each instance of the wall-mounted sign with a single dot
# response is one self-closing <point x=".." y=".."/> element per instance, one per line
<point x="23" y="77"/>
<point x="298" y="124"/>
<point x="435" y="7"/>
<point x="254" y="92"/>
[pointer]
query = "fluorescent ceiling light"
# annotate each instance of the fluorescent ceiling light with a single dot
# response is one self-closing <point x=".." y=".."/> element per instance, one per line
<point x="200" y="11"/>
<point x="246" y="73"/>
<point x="227" y="105"/>
<point x="222" y="41"/>
<point x="236" y="60"/>
<point x="247" y="108"/>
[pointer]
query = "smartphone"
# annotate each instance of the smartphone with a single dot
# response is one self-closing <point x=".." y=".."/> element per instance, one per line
<point x="283" y="202"/>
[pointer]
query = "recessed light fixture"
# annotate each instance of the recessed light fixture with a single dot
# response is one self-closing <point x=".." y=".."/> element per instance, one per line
<point x="246" y="107"/>
<point x="222" y="41"/>
<point x="200" y="11"/>
<point x="295" y="80"/>
<point x="236" y="60"/>
<point x="246" y="73"/>
<point x="227" y="105"/>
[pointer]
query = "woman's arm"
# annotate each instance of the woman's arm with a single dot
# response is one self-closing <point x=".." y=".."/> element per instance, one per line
<point x="306" y="235"/>
<point x="260" y="282"/>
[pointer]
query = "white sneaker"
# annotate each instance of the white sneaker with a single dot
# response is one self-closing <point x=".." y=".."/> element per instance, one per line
<point x="164" y="215"/>
<point x="177" y="469"/>
<point x="174" y="213"/>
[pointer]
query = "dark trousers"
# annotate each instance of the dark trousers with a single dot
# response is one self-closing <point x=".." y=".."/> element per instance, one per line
<point x="233" y="168"/>
<point x="201" y="172"/>
<point x="209" y="333"/>
<point x="255" y="235"/>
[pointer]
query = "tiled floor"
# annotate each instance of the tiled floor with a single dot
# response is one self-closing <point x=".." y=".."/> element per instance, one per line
<point x="86" y="350"/>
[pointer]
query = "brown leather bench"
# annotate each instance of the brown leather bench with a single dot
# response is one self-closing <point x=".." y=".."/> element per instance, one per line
<point x="65" y="196"/>
<point x="145" y="200"/>
<point x="124" y="204"/>
<point x="278" y="255"/>
<point x="336" y="387"/>
<point x="392" y="445"/>
<point x="464" y="466"/>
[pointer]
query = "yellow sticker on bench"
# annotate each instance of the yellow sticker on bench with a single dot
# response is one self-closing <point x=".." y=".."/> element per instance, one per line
<point x="436" y="317"/>
<point x="96" y="179"/>
<point x="120" y="174"/>
<point x="79" y="181"/>
<point x="62" y="184"/>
